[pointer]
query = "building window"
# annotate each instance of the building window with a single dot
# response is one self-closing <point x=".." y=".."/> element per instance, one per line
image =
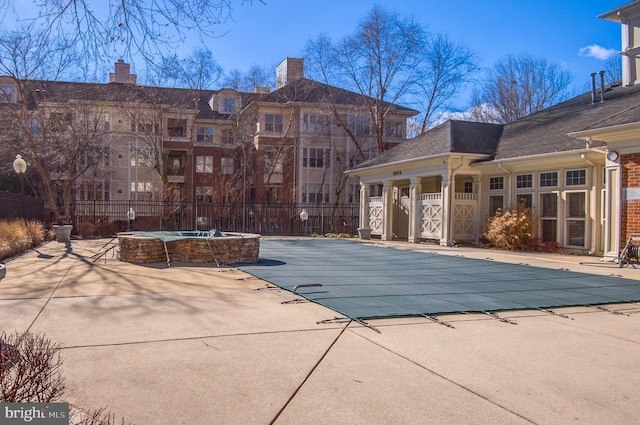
<point x="227" y="165"/>
<point x="204" y="194"/>
<point x="273" y="160"/>
<point x="360" y="126"/>
<point x="315" y="158"/>
<point x="204" y="164"/>
<point x="141" y="191"/>
<point x="176" y="127"/>
<point x="393" y="129"/>
<point x="146" y="128"/>
<point x="315" y="192"/>
<point x="228" y="105"/>
<point x="524" y="181"/>
<point x="314" y="123"/>
<point x="274" y="193"/>
<point x="467" y="187"/>
<point x="549" y="179"/>
<point x="141" y="157"/>
<point x="549" y="216"/>
<point x="175" y="165"/>
<point x="576" y="215"/>
<point x="576" y="177"/>
<point x="227" y="136"/>
<point x="525" y="199"/>
<point x="496" y="183"/>
<point x="273" y="123"/>
<point x="59" y="121"/>
<point x="6" y="94"/>
<point x="496" y="203"/>
<point x="204" y="134"/>
<point x="106" y="121"/>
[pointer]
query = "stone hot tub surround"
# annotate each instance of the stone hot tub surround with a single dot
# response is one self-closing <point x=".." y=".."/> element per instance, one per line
<point x="188" y="247"/>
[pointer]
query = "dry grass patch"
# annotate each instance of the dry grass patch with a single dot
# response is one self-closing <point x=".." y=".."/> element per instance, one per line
<point x="17" y="236"/>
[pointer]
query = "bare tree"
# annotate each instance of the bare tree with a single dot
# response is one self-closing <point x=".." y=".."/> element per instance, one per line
<point x="30" y="369"/>
<point x="198" y="71"/>
<point x="257" y="76"/>
<point x="613" y="69"/>
<point x="380" y="60"/>
<point x="125" y="28"/>
<point x="517" y="86"/>
<point x="391" y="59"/>
<point x="446" y="68"/>
<point x="60" y="144"/>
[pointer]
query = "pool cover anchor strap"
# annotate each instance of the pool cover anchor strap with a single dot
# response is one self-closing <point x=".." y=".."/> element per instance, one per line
<point x="214" y="255"/>
<point x="438" y="321"/>
<point x="493" y="315"/>
<point x="166" y="252"/>
<point x="349" y="319"/>
<point x="601" y="308"/>
<point x="555" y="313"/>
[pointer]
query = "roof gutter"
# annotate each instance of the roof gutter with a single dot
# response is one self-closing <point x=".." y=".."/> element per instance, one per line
<point x="492" y="163"/>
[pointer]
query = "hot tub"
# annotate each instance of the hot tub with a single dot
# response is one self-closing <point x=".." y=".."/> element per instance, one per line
<point x="189" y="247"/>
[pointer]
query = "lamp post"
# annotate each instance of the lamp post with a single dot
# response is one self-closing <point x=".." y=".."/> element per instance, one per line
<point x="304" y="216"/>
<point x="131" y="215"/>
<point x="20" y="167"/>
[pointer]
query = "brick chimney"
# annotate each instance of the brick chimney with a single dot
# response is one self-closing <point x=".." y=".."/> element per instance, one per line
<point x="123" y="74"/>
<point x="289" y="70"/>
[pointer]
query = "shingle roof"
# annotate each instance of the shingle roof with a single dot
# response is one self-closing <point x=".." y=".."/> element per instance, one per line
<point x="546" y="131"/>
<point x="539" y="133"/>
<point x="59" y="91"/>
<point x="305" y="90"/>
<point x="449" y="137"/>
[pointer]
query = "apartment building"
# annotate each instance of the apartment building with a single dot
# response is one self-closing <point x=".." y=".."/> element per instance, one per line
<point x="290" y="145"/>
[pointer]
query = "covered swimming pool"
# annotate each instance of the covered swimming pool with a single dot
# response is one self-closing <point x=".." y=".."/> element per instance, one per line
<point x="364" y="281"/>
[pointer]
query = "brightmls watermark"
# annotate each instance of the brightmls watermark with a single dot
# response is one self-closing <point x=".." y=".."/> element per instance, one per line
<point x="34" y="413"/>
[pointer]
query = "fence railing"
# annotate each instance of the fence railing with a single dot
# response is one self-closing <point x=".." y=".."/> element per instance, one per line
<point x="109" y="217"/>
<point x="14" y="205"/>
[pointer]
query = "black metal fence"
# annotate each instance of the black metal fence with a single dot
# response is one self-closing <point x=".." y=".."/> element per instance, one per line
<point x="109" y="217"/>
<point x="13" y="205"/>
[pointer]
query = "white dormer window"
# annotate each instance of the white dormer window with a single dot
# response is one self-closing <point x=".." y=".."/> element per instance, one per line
<point x="7" y="95"/>
<point x="228" y="105"/>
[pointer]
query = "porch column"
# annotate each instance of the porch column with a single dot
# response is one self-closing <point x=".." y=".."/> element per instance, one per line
<point x="364" y="205"/>
<point x="612" y="201"/>
<point x="446" y="211"/>
<point x="414" y="209"/>
<point x="387" y="211"/>
<point x="478" y="222"/>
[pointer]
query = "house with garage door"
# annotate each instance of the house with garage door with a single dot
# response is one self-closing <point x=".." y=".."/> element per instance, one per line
<point x="576" y="164"/>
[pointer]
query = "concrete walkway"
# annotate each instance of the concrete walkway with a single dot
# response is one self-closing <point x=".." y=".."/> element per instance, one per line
<point x="201" y="345"/>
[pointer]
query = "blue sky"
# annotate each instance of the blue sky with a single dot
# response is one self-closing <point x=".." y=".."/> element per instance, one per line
<point x="559" y="30"/>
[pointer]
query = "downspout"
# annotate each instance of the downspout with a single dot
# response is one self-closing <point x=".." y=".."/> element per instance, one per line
<point x="593" y="184"/>
<point x="508" y="173"/>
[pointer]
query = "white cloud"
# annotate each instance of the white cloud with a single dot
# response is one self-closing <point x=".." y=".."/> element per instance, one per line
<point x="597" y="52"/>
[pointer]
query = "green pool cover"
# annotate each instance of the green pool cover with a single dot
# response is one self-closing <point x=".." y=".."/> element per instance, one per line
<point x="363" y="281"/>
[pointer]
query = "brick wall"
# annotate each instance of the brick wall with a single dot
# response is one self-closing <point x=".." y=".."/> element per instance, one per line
<point x="630" y="209"/>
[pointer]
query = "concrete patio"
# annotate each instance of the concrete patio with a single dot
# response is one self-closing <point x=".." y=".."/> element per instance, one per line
<point x="199" y="345"/>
